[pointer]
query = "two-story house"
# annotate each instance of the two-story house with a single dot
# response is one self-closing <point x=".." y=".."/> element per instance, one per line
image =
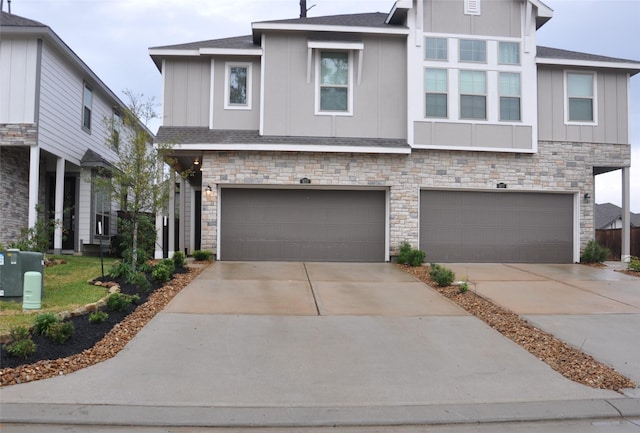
<point x="56" y="128"/>
<point x="442" y="124"/>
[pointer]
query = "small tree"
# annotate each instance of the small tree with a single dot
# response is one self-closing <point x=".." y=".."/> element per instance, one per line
<point x="137" y="179"/>
<point x="38" y="237"/>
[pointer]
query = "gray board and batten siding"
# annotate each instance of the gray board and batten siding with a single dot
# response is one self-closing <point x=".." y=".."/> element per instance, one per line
<point x="302" y="225"/>
<point x="496" y="227"/>
<point x="499" y="18"/>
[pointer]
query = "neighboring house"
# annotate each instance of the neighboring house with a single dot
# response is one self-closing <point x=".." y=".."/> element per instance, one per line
<point x="440" y="123"/>
<point x="56" y="120"/>
<point x="609" y="216"/>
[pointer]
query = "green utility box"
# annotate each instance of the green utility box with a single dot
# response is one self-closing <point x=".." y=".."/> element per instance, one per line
<point x="10" y="274"/>
<point x="13" y="265"/>
<point x="32" y="291"/>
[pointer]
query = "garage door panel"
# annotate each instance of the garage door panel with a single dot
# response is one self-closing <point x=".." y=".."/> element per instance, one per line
<point x="467" y="226"/>
<point x="311" y="225"/>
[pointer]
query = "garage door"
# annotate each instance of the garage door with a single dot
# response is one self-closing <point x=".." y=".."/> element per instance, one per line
<point x="302" y="225"/>
<point x="496" y="227"/>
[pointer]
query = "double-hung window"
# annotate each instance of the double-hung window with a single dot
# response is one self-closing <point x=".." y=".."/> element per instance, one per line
<point x="102" y="210"/>
<point x="435" y="85"/>
<point x="473" y="95"/>
<point x="436" y="49"/>
<point x="237" y="86"/>
<point x="472" y="50"/>
<point x="509" y="88"/>
<point x="87" y="106"/>
<point x="334" y="82"/>
<point x="116" y="126"/>
<point x="580" y="97"/>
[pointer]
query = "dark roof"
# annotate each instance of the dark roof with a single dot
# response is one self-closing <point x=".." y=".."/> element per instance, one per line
<point x="11" y="20"/>
<point x="555" y="53"/>
<point x="373" y="19"/>
<point x="607" y="213"/>
<point x="204" y="135"/>
<point x="92" y="159"/>
<point x="237" y="42"/>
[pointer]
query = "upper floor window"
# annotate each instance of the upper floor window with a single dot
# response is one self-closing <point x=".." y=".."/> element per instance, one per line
<point x="238" y="86"/>
<point x="435" y="84"/>
<point x="102" y="214"/>
<point x="335" y="82"/>
<point x="435" y="49"/>
<point x="509" y="88"/>
<point x="87" y="104"/>
<point x="472" y="50"/>
<point x="509" y="53"/>
<point x="116" y="126"/>
<point x="580" y="90"/>
<point x="473" y="95"/>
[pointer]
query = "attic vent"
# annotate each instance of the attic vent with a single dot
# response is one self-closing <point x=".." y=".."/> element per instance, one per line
<point x="472" y="7"/>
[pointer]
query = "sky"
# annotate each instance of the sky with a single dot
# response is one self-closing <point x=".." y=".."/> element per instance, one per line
<point x="113" y="38"/>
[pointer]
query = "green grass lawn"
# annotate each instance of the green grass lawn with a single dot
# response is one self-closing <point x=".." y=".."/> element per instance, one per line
<point x="65" y="288"/>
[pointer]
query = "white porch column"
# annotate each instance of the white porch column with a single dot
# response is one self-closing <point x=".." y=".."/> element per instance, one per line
<point x="184" y="186"/>
<point x="159" y="244"/>
<point x="172" y="213"/>
<point x="34" y="184"/>
<point x="59" y="206"/>
<point x="625" y="254"/>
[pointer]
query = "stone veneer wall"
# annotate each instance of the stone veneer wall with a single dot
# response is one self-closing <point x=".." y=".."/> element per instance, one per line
<point x="564" y="167"/>
<point x="15" y="142"/>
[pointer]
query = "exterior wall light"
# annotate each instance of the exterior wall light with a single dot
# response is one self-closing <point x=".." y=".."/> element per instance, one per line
<point x="305" y="180"/>
<point x="501" y="185"/>
<point x="587" y="197"/>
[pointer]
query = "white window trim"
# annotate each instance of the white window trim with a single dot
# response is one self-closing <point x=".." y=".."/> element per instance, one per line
<point x="227" y="74"/>
<point x="86" y="86"/>
<point x="424" y="50"/>
<point x="594" y="74"/>
<point x="318" y="65"/>
<point x="447" y="93"/>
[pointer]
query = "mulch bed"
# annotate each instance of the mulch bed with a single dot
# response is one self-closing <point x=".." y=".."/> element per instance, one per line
<point x="93" y="343"/>
<point x="563" y="358"/>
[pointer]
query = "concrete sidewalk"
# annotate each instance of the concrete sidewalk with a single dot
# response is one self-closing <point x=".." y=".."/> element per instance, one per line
<point x="325" y="356"/>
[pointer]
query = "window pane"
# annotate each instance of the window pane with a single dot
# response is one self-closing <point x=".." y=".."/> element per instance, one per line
<point x="509" y="108"/>
<point x="473" y="82"/>
<point x="473" y="51"/>
<point x="580" y="85"/>
<point x="238" y="85"/>
<point x="509" y="53"/>
<point x="473" y="107"/>
<point x="509" y="84"/>
<point x="333" y="99"/>
<point x="436" y="105"/>
<point x="335" y="69"/>
<point x="86" y="118"/>
<point x="435" y="80"/>
<point x="581" y="109"/>
<point x="436" y="48"/>
<point x="88" y="96"/>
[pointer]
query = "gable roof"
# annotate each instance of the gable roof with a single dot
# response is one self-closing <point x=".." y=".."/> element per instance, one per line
<point x="11" y="20"/>
<point x="607" y="213"/>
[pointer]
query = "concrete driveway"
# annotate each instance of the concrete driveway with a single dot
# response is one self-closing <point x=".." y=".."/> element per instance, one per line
<point x="312" y="344"/>
<point x="594" y="309"/>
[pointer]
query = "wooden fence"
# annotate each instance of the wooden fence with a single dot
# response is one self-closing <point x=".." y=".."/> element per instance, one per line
<point x="612" y="239"/>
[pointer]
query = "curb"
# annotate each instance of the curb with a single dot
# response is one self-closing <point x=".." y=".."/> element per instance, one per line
<point x="220" y="416"/>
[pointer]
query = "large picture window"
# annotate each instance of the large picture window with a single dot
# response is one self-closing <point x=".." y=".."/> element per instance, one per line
<point x="238" y="86"/>
<point x="580" y="97"/>
<point x="509" y="88"/>
<point x="435" y="84"/>
<point x="473" y="95"/>
<point x="334" y="82"/>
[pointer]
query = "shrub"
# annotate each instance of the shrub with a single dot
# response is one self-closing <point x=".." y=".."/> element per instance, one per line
<point x="122" y="269"/>
<point x="169" y="263"/>
<point x="141" y="282"/>
<point x="464" y="287"/>
<point x="118" y="302"/>
<point x="121" y="243"/>
<point x="60" y="331"/>
<point x="43" y="322"/>
<point x="441" y="275"/>
<point x="594" y="253"/>
<point x="178" y="259"/>
<point x="634" y="264"/>
<point x="21" y="343"/>
<point x="98" y="317"/>
<point x="203" y="255"/>
<point x="410" y="256"/>
<point x="161" y="273"/>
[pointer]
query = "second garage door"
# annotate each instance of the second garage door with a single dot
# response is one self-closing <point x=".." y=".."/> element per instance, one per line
<point x="496" y="227"/>
<point x="302" y="225"/>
